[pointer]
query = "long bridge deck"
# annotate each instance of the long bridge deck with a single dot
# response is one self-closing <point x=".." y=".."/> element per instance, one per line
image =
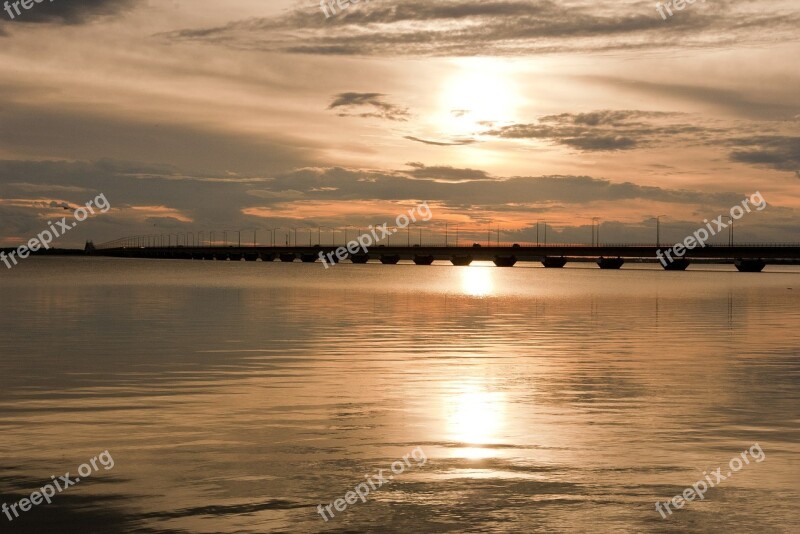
<point x="746" y="257"/>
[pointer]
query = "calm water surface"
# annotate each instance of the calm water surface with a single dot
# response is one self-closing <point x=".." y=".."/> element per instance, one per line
<point x="237" y="397"/>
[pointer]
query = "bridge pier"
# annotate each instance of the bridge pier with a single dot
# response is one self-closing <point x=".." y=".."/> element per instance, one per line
<point x="461" y="261"/>
<point x="287" y="257"/>
<point x="610" y="263"/>
<point x="551" y="262"/>
<point x="423" y="259"/>
<point x="309" y="257"/>
<point x="505" y="261"/>
<point x="359" y="258"/>
<point x="750" y="266"/>
<point x="678" y="264"/>
<point x="390" y="259"/>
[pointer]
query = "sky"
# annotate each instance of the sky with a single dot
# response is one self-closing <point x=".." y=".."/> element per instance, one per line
<point x="247" y="115"/>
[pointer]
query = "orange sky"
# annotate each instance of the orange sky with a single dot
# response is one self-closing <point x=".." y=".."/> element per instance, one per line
<point x="198" y="115"/>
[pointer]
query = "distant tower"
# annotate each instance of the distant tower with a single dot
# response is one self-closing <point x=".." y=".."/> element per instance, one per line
<point x="89" y="248"/>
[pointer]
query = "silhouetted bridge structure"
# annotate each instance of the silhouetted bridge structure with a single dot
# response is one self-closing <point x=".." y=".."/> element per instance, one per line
<point x="748" y="258"/>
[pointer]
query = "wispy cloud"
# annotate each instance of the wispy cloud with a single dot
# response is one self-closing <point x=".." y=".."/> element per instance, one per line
<point x="603" y="130"/>
<point x="778" y="152"/>
<point x="72" y="12"/>
<point x="368" y="105"/>
<point x="455" y="142"/>
<point x="501" y="27"/>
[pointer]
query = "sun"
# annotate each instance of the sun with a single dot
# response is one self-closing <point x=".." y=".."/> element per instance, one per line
<point x="482" y="91"/>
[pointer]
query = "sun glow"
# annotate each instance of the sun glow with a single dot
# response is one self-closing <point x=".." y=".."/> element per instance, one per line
<point x="481" y="92"/>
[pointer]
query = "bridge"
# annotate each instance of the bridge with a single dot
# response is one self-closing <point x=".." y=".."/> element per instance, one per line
<point x="746" y="257"/>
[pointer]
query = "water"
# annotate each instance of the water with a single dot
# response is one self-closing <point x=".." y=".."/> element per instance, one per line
<point x="239" y="397"/>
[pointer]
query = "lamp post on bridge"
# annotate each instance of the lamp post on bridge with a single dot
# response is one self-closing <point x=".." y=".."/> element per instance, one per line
<point x="596" y="233"/>
<point x="658" y="229"/>
<point x="271" y="232"/>
<point x="333" y="232"/>
<point x="730" y="232"/>
<point x="286" y="241"/>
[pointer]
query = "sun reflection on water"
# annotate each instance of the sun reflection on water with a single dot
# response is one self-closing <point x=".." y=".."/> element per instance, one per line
<point x="475" y="416"/>
<point x="477" y="281"/>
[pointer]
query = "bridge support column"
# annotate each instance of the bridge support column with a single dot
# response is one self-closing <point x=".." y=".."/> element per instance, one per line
<point x="750" y="266"/>
<point x="390" y="259"/>
<point x="461" y="261"/>
<point x="678" y="264"/>
<point x="423" y="259"/>
<point x="610" y="263"/>
<point x="505" y="261"/>
<point x="554" y="263"/>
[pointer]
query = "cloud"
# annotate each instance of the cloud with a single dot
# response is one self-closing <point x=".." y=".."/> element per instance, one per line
<point x="621" y="130"/>
<point x="455" y="142"/>
<point x="446" y="174"/>
<point x="752" y="106"/>
<point x="368" y="105"/>
<point x="47" y="132"/>
<point x="500" y="27"/>
<point x="476" y="188"/>
<point x="605" y="130"/>
<point x="778" y="152"/>
<point x="71" y="12"/>
<point x="48" y="188"/>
